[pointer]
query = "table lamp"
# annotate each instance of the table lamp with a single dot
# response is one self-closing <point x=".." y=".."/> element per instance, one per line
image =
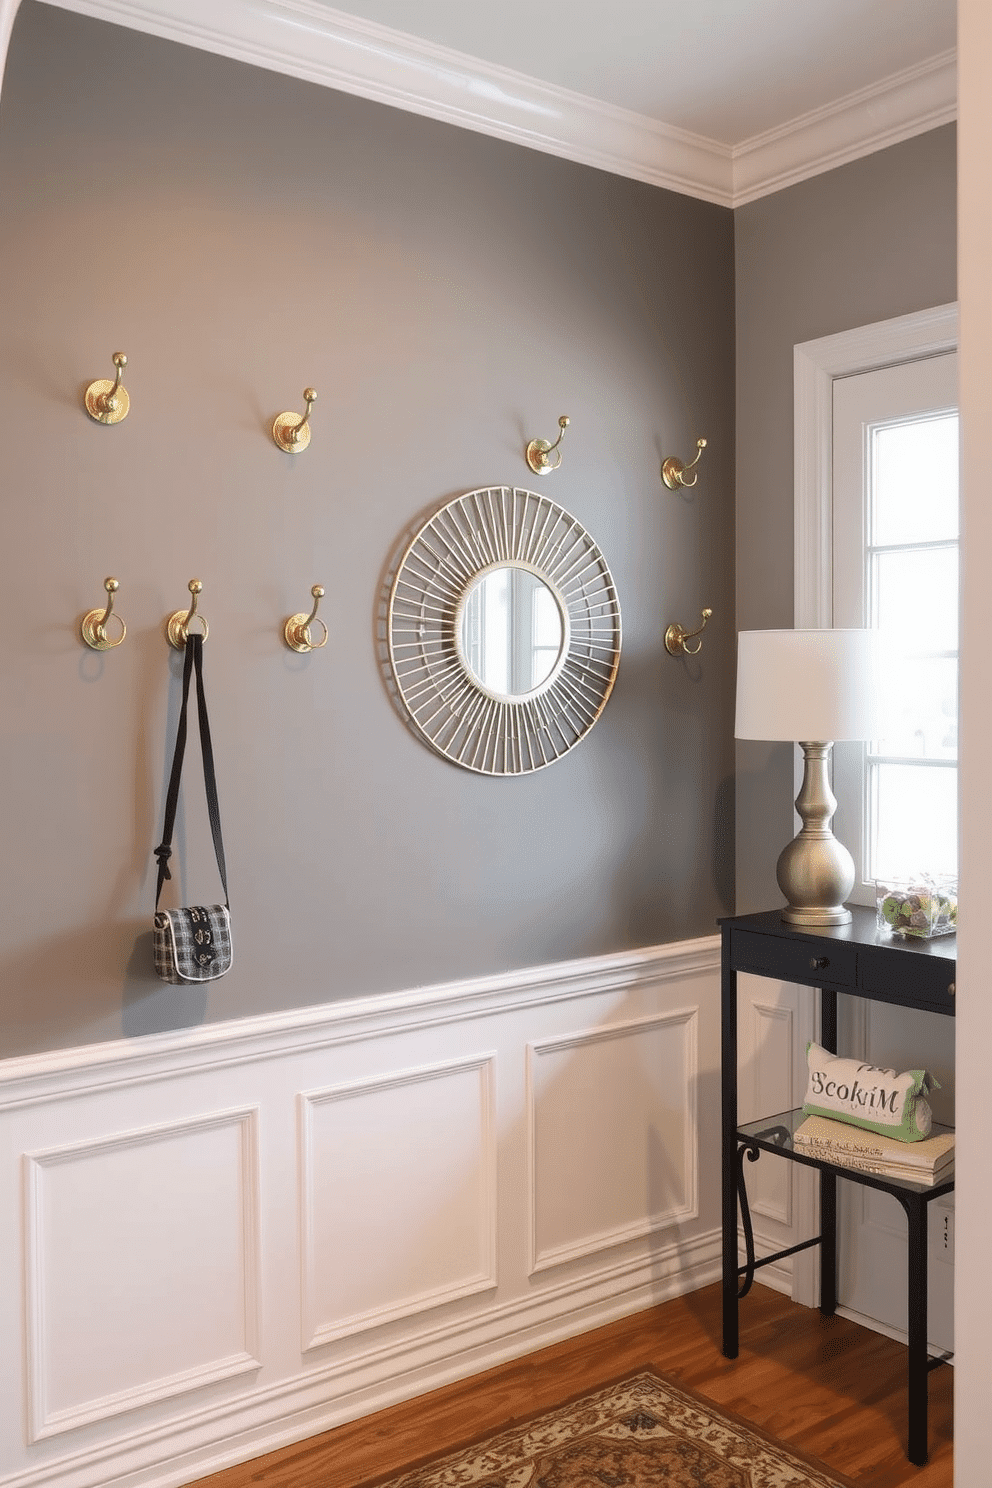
<point x="814" y="687"/>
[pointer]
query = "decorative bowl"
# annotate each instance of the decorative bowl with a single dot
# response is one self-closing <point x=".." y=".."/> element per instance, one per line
<point x="921" y="906"/>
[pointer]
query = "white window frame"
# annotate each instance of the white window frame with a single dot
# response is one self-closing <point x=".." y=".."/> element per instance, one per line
<point x="816" y="364"/>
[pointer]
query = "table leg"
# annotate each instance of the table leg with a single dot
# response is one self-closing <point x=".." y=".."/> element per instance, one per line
<point x="828" y="1019"/>
<point x="916" y="1215"/>
<point x="828" y="1243"/>
<point x="728" y="1021"/>
<point x="828" y="1181"/>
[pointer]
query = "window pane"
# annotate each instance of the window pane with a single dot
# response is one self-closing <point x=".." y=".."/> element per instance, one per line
<point x="923" y="709"/>
<point x="915" y="813"/>
<point x="547" y="619"/>
<point x="915" y="481"/>
<point x="915" y="598"/>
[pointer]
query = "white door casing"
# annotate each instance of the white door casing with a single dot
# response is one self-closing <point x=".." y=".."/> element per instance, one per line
<point x="870" y="1237"/>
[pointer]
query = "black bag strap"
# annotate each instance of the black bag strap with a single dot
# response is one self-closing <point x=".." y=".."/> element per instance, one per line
<point x="194" y="659"/>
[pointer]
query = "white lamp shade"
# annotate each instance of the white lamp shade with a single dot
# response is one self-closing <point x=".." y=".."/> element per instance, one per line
<point x="808" y="685"/>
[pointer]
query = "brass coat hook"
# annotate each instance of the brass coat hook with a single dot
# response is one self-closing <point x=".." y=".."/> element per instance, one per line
<point x="297" y="627"/>
<point x="539" y="451"/>
<point x="177" y="625"/>
<point x="291" y="432"/>
<point x="676" y="637"/>
<point x="94" y="624"/>
<point x="108" y="402"/>
<point x="674" y="473"/>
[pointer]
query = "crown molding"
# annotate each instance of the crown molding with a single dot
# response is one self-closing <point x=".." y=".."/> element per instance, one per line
<point x="309" y="40"/>
<point x="900" y="106"/>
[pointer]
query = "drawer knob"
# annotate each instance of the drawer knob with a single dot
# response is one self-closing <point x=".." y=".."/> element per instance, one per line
<point x="819" y="963"/>
<point x="952" y="987"/>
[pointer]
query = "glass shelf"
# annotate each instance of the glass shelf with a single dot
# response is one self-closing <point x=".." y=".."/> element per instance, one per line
<point x="777" y="1134"/>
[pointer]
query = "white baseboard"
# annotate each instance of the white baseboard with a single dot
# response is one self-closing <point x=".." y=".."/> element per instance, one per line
<point x="229" y="1239"/>
<point x="778" y="1278"/>
<point x="300" y="1418"/>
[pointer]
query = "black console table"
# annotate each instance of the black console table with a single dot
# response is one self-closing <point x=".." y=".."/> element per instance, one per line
<point x="858" y="960"/>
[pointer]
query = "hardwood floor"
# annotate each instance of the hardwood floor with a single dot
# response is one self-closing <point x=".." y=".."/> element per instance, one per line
<point x="832" y="1390"/>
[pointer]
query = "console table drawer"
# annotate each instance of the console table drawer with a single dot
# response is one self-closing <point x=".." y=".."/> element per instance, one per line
<point x="911" y="980"/>
<point x="834" y="965"/>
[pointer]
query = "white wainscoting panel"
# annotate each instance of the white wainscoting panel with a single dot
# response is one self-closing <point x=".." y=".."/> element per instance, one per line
<point x="221" y="1240"/>
<point x="775" y="1021"/>
<point x="402" y="1172"/>
<point x="142" y="1267"/>
<point x="769" y="1183"/>
<point x="613" y="1135"/>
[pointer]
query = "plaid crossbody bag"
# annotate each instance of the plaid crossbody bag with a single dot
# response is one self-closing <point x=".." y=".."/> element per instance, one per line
<point x="192" y="944"/>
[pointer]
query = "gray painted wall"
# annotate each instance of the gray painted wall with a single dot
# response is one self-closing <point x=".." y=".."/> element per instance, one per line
<point x="866" y="242"/>
<point x="241" y="234"/>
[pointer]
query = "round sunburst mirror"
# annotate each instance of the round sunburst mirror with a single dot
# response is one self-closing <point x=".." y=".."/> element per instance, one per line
<point x="503" y="631"/>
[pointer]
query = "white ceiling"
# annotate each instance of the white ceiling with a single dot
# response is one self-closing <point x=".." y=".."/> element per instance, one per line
<point x="726" y="100"/>
<point x="724" y="69"/>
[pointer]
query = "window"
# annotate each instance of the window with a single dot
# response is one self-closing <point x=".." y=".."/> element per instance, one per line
<point x="895" y="505"/>
<point x="877" y="544"/>
<point x="911" y="562"/>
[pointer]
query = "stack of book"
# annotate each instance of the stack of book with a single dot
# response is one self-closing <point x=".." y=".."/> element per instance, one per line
<point x="924" y="1162"/>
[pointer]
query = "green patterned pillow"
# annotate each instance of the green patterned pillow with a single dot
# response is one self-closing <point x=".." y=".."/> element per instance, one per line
<point x="880" y="1100"/>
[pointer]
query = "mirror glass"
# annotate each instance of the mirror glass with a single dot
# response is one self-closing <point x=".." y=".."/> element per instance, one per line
<point x="511" y="631"/>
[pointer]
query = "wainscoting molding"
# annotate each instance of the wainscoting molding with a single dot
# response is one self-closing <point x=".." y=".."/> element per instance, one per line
<point x="772" y="1072"/>
<point x="374" y="1157"/>
<point x="581" y="1174"/>
<point x="776" y="1021"/>
<point x="100" y="1217"/>
<point x="222" y="1240"/>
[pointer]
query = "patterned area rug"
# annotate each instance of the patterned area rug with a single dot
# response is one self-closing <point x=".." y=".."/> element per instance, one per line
<point x="639" y="1433"/>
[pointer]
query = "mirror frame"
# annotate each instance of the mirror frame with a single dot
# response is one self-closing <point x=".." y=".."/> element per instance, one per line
<point x="446" y="704"/>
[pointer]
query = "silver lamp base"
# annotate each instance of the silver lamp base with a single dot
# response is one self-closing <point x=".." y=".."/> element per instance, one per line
<point x="816" y="872"/>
